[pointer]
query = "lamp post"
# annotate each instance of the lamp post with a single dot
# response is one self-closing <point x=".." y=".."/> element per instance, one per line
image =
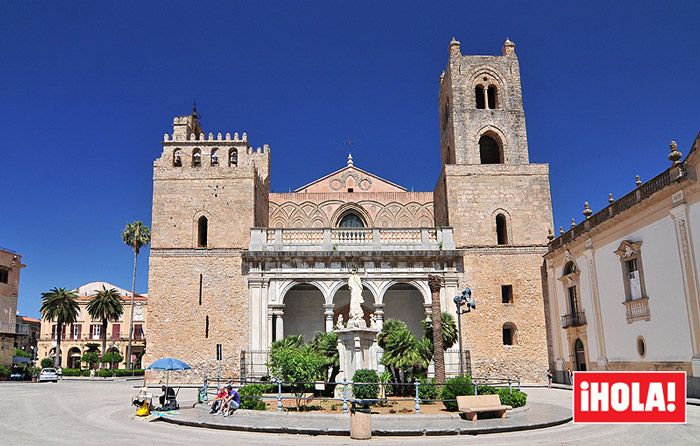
<point x="465" y="299"/>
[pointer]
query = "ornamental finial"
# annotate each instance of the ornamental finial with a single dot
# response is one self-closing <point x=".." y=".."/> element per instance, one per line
<point x="587" y="212"/>
<point x="675" y="155"/>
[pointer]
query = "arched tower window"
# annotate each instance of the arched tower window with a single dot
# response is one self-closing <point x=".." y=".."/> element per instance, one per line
<point x="490" y="150"/>
<point x="492" y="97"/>
<point x="446" y="113"/>
<point x="509" y="333"/>
<point x="501" y="229"/>
<point x="214" y="157"/>
<point x="233" y="157"/>
<point x="196" y="158"/>
<point x="177" y="158"/>
<point x="480" y="96"/>
<point x="351" y="220"/>
<point x="202" y="229"/>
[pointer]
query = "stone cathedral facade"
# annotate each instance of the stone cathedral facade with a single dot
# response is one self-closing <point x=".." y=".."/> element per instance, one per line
<point x="232" y="263"/>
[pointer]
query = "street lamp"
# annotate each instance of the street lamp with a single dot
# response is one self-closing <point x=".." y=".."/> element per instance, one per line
<point x="465" y="299"/>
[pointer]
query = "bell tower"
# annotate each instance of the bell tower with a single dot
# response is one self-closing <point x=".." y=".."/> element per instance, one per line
<point x="482" y="120"/>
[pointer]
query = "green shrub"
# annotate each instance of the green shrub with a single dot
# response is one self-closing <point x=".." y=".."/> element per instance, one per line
<point x="486" y="390"/>
<point x="104" y="373"/>
<point x="85" y="372"/>
<point x="21" y="353"/>
<point x="251" y="396"/>
<point x="368" y="391"/>
<point x="71" y="372"/>
<point x="4" y="371"/>
<point x="454" y="387"/>
<point x="427" y="390"/>
<point x="515" y="399"/>
<point x="46" y="363"/>
<point x="112" y="358"/>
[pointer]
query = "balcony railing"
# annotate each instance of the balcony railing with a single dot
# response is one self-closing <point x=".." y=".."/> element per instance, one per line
<point x="577" y="319"/>
<point x="637" y="309"/>
<point x="20" y="329"/>
<point x="351" y="239"/>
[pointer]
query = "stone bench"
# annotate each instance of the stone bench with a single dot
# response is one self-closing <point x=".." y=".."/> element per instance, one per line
<point x="470" y="405"/>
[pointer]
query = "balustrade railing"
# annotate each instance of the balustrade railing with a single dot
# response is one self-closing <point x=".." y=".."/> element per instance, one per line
<point x="637" y="309"/>
<point x="577" y="319"/>
<point x="338" y="239"/>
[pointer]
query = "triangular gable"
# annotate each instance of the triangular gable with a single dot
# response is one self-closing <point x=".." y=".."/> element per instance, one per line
<point x="350" y="179"/>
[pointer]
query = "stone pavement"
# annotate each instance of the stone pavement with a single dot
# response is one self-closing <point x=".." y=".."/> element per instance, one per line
<point x="533" y="416"/>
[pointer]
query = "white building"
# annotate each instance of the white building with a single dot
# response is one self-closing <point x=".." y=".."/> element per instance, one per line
<point x="622" y="286"/>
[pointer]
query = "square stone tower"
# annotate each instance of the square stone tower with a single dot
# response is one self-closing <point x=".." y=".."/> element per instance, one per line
<point x="207" y="194"/>
<point x="499" y="206"/>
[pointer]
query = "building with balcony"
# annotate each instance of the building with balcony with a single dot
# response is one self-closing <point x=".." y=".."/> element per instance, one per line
<point x="10" y="267"/>
<point x="76" y="337"/>
<point x="235" y="264"/>
<point x="625" y="283"/>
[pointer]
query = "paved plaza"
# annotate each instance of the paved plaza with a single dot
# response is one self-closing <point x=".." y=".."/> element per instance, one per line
<point x="73" y="412"/>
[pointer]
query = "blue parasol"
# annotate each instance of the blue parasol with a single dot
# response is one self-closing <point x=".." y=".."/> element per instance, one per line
<point x="168" y="364"/>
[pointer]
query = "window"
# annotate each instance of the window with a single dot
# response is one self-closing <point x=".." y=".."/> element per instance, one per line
<point x="507" y="294"/>
<point x="351" y="220"/>
<point x="501" y="229"/>
<point x="632" y="271"/>
<point x="116" y="331"/>
<point x="641" y="346"/>
<point x="202" y="229"/>
<point x="214" y="157"/>
<point x="508" y="334"/>
<point x="196" y="158"/>
<point x="351" y="190"/>
<point x="480" y="99"/>
<point x="489" y="150"/>
<point x="492" y="96"/>
<point x="138" y="331"/>
<point x="200" y="289"/>
<point x="76" y="331"/>
<point x="206" y="327"/>
<point x="4" y="275"/>
<point x="232" y="157"/>
<point x="446" y="115"/>
<point x="53" y="331"/>
<point x="95" y="331"/>
<point x="177" y="158"/>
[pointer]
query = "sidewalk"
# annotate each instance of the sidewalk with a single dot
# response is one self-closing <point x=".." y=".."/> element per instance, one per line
<point x="533" y="416"/>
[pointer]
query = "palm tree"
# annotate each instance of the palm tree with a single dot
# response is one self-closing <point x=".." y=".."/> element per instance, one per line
<point x="60" y="305"/>
<point x="136" y="235"/>
<point x="435" y="283"/>
<point x="449" y="331"/>
<point x="106" y="305"/>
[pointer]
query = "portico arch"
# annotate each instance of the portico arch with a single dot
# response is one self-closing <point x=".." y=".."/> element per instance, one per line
<point x="406" y="302"/>
<point x="73" y="360"/>
<point x="302" y="313"/>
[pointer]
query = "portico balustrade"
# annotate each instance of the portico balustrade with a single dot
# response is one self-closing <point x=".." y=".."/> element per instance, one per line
<point x="351" y="239"/>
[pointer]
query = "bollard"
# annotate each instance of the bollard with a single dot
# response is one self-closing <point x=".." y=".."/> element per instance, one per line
<point x="476" y="390"/>
<point x="510" y="386"/>
<point x="345" y="395"/>
<point x="416" y="383"/>
<point x="279" y="395"/>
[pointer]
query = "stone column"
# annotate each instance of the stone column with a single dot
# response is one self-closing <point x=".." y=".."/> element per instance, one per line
<point x="602" y="360"/>
<point x="270" y="327"/>
<point x="328" y="313"/>
<point x="278" y="313"/>
<point x="379" y="315"/>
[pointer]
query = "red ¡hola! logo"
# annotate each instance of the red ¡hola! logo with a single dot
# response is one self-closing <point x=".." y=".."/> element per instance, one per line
<point x="629" y="397"/>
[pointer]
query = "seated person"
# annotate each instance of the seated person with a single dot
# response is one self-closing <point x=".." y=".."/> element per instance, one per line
<point x="219" y="400"/>
<point x="166" y="396"/>
<point x="232" y="402"/>
<point x="142" y="397"/>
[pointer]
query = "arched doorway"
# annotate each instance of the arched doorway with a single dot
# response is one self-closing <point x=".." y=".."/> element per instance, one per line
<point x="73" y="360"/>
<point x="303" y="312"/>
<point x="580" y="356"/>
<point x="404" y="302"/>
<point x="341" y="299"/>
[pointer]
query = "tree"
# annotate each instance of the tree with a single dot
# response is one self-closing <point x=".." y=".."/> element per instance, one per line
<point x="435" y="283"/>
<point x="449" y="331"/>
<point x="298" y="366"/>
<point x="106" y="306"/>
<point x="404" y="355"/>
<point x="326" y="345"/>
<point x="90" y="358"/>
<point x="60" y="305"/>
<point x="112" y="357"/>
<point x="135" y="235"/>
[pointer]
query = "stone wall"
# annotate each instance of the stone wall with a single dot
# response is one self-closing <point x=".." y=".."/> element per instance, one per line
<point x="485" y="272"/>
<point x="177" y="325"/>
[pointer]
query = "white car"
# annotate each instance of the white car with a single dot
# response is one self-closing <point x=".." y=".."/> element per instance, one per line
<point x="49" y="374"/>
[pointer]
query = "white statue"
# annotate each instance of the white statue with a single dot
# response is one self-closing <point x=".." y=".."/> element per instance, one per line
<point x="372" y="320"/>
<point x="356" y="318"/>
<point x="339" y="324"/>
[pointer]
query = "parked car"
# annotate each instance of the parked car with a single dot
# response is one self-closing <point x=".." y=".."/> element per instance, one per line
<point x="17" y="376"/>
<point x="48" y="374"/>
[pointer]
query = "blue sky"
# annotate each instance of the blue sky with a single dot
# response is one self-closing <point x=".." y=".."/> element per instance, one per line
<point x="89" y="88"/>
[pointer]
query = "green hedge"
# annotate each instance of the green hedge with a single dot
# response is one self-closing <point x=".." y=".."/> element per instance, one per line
<point x="427" y="390"/>
<point x="4" y="371"/>
<point x="515" y="399"/>
<point x="454" y="387"/>
<point x="368" y="391"/>
<point x="251" y="396"/>
<point x="71" y="372"/>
